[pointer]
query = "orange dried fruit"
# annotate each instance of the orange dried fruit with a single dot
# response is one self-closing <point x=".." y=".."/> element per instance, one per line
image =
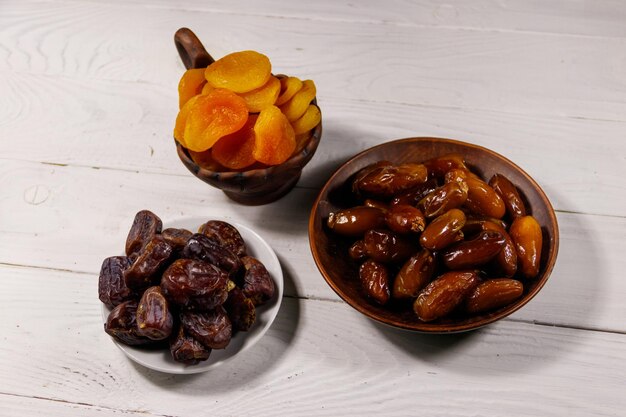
<point x="308" y="121"/>
<point x="299" y="103"/>
<point x="275" y="139"/>
<point x="239" y="72"/>
<point x="234" y="151"/>
<point x="181" y="120"/>
<point x="207" y="88"/>
<point x="289" y="86"/>
<point x="212" y="116"/>
<point x="262" y="97"/>
<point x="190" y="85"/>
<point x="205" y="160"/>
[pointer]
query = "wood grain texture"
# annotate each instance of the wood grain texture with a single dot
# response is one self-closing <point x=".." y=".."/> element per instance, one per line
<point x="502" y="71"/>
<point x="54" y="217"/>
<point x="128" y="126"/>
<point x="373" y="369"/>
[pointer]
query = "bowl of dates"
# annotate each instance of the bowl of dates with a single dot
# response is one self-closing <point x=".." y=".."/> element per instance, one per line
<point x="180" y="301"/>
<point x="433" y="235"/>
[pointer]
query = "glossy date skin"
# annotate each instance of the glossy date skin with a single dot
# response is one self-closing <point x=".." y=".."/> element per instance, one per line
<point x="528" y="239"/>
<point x="493" y="294"/>
<point x="154" y="319"/>
<point x="145" y="226"/>
<point x="226" y="235"/>
<point x="387" y="180"/>
<point x="144" y="272"/>
<point x="474" y="252"/>
<point x="512" y="200"/>
<point x="357" y="251"/>
<point x="194" y="285"/>
<point x="444" y="230"/>
<point x="240" y="309"/>
<point x="505" y="262"/>
<point x="258" y="285"/>
<point x="444" y="294"/>
<point x="414" y="195"/>
<point x="387" y="247"/>
<point x="405" y="219"/>
<point x="437" y="167"/>
<point x="186" y="349"/>
<point x="212" y="328"/>
<point x="203" y="248"/>
<point x="481" y="198"/>
<point x="375" y="281"/>
<point x="356" y="221"/>
<point x="121" y="324"/>
<point x="176" y="238"/>
<point x="414" y="275"/>
<point x="112" y="289"/>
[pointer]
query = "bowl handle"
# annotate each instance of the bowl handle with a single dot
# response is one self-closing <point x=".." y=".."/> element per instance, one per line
<point x="191" y="50"/>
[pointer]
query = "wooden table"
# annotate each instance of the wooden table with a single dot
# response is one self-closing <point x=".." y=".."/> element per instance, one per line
<point x="87" y="105"/>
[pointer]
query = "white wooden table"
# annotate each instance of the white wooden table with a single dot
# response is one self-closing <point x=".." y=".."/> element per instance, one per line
<point x="87" y="104"/>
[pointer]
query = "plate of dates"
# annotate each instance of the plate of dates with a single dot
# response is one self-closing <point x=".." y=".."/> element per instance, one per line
<point x="183" y="302"/>
<point x="433" y="235"/>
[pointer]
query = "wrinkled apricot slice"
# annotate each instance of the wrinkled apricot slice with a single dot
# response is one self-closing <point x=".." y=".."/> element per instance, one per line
<point x="190" y="85"/>
<point x="217" y="114"/>
<point x="289" y="86"/>
<point x="275" y="140"/>
<point x="308" y="121"/>
<point x="181" y="120"/>
<point x="262" y="97"/>
<point x="234" y="151"/>
<point x="205" y="160"/>
<point x="239" y="72"/>
<point x="299" y="103"/>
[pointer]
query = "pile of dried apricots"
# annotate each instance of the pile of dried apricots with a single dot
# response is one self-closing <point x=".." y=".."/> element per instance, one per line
<point x="235" y="115"/>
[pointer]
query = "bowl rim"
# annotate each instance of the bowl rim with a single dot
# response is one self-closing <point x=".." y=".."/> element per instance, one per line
<point x="428" y="327"/>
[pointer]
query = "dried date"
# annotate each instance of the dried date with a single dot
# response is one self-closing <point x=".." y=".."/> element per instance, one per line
<point x="386" y="246"/>
<point x="144" y="272"/>
<point x="493" y="294"/>
<point x="176" y="238"/>
<point x="387" y="180"/>
<point x="475" y="252"/>
<point x="203" y="248"/>
<point x="121" y="324"/>
<point x="512" y="200"/>
<point x="154" y="319"/>
<point x="212" y="328"/>
<point x="375" y="281"/>
<point x="240" y="309"/>
<point x="194" y="285"/>
<point x="112" y="289"/>
<point x="444" y="294"/>
<point x="257" y="282"/>
<point x="414" y="275"/>
<point x="145" y="226"/>
<point x="356" y="221"/>
<point x="444" y="230"/>
<point x="527" y="237"/>
<point x="226" y="235"/>
<point x="186" y="349"/>
<point x="405" y="219"/>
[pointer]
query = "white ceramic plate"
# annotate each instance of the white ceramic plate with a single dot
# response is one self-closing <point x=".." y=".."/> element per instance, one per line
<point x="161" y="360"/>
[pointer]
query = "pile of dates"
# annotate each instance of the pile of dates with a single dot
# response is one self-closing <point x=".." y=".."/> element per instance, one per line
<point x="191" y="291"/>
<point x="436" y="235"/>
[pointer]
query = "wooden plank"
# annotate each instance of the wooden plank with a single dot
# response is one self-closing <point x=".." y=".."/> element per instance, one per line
<point x="54" y="217"/>
<point x="315" y="350"/>
<point x="504" y="71"/>
<point x="112" y="124"/>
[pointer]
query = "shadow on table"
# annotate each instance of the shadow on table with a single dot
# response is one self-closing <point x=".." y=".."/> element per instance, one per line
<point x="247" y="365"/>
<point x="542" y="333"/>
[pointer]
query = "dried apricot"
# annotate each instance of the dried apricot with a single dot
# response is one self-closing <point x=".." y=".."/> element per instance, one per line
<point x="207" y="88"/>
<point x="205" y="160"/>
<point x="181" y="120"/>
<point x="308" y="121"/>
<point x="289" y="86"/>
<point x="217" y="114"/>
<point x="299" y="103"/>
<point x="240" y="71"/>
<point x="264" y="96"/>
<point x="275" y="140"/>
<point x="234" y="151"/>
<point x="190" y="85"/>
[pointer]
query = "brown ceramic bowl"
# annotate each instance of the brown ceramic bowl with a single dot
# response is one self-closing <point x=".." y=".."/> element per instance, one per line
<point x="255" y="186"/>
<point x="341" y="273"/>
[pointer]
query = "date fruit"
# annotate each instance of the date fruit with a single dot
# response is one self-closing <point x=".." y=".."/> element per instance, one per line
<point x="438" y="166"/>
<point x="144" y="272"/>
<point x="122" y="325"/>
<point x="154" y="319"/>
<point x="387" y="180"/>
<point x="414" y="195"/>
<point x="194" y="285"/>
<point x="226" y="235"/>
<point x="414" y="275"/>
<point x="481" y="198"/>
<point x="493" y="294"/>
<point x="176" y="238"/>
<point x="212" y="328"/>
<point x="375" y="281"/>
<point x="356" y="221"/>
<point x="186" y="349"/>
<point x="203" y="248"/>
<point x="257" y="282"/>
<point x="475" y="252"/>
<point x="527" y="237"/>
<point x="512" y="200"/>
<point x="386" y="246"/>
<point x="404" y="219"/>
<point x="444" y="294"/>
<point x="444" y="230"/>
<point x="357" y="251"/>
<point x="112" y="289"/>
<point x="240" y="309"/>
<point x="145" y="226"/>
<point x="449" y="196"/>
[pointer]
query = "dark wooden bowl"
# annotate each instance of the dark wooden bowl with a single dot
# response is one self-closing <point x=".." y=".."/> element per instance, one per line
<point x="256" y="186"/>
<point x="341" y="273"/>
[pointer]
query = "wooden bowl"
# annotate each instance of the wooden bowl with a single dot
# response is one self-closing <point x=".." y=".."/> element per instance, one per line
<point x="255" y="186"/>
<point x="341" y="273"/>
